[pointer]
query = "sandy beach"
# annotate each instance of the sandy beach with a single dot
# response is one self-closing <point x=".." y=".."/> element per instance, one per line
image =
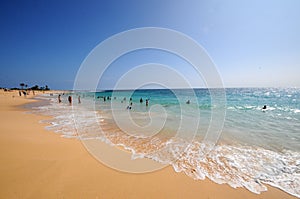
<point x="36" y="163"/>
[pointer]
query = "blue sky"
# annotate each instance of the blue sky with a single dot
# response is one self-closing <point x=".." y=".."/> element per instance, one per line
<point x="253" y="43"/>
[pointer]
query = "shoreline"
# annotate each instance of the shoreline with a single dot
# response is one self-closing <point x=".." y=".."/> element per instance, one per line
<point x="38" y="163"/>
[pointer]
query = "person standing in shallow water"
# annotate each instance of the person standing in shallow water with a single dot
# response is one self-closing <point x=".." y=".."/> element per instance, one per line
<point x="147" y="102"/>
<point x="70" y="100"/>
<point x="59" y="98"/>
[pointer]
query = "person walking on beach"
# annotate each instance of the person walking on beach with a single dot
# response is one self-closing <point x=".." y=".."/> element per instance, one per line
<point x="79" y="101"/>
<point x="59" y="98"/>
<point x="70" y="100"/>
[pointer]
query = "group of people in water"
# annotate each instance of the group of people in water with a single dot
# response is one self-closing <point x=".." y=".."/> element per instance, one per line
<point x="104" y="99"/>
<point x="129" y="107"/>
<point x="109" y="98"/>
<point x="141" y="101"/>
<point x="69" y="99"/>
<point x="124" y="99"/>
<point x="147" y="101"/>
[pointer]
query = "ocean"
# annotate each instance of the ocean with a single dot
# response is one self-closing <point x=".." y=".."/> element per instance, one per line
<point x="237" y="142"/>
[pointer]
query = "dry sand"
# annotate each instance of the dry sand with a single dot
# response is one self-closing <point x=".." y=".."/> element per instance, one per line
<point x="35" y="163"/>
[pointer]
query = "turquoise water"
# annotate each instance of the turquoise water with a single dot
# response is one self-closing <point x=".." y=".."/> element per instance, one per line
<point x="277" y="128"/>
<point x="256" y="146"/>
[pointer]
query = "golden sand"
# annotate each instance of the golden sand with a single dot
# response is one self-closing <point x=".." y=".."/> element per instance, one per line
<point x="35" y="163"/>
